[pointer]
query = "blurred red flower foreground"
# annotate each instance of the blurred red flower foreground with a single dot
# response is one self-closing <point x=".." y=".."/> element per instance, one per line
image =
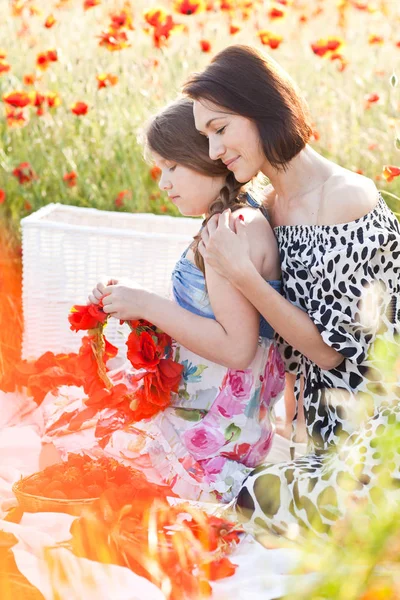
<point x="149" y="351"/>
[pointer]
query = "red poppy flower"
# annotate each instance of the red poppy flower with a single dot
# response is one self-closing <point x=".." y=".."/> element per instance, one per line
<point x="86" y="317"/>
<point x="53" y="99"/>
<point x="162" y="31"/>
<point x="119" y="200"/>
<point x="189" y="7"/>
<point x="70" y="178"/>
<point x="90" y="4"/>
<point x="52" y="55"/>
<point x="276" y="13"/>
<point x="4" y="67"/>
<point x="15" y="118"/>
<point x="155" y="16"/>
<point x="218" y="569"/>
<point x="29" y="79"/>
<point x="270" y="39"/>
<point x="143" y="352"/>
<point x="390" y="172"/>
<point x="114" y="40"/>
<point x="169" y="374"/>
<point x="152" y="393"/>
<point x="50" y="21"/>
<point x="79" y="108"/>
<point x="370" y="99"/>
<point x="122" y="19"/>
<point x="110" y="351"/>
<point x="24" y="173"/>
<point x="233" y="29"/>
<point x="17" y="99"/>
<point x="106" y="80"/>
<point x="205" y="46"/>
<point x="375" y="40"/>
<point x="36" y="98"/>
<point x="42" y="61"/>
<point x="340" y="60"/>
<point x="326" y="46"/>
<point x="155" y="173"/>
<point x="227" y="5"/>
<point x="2" y="196"/>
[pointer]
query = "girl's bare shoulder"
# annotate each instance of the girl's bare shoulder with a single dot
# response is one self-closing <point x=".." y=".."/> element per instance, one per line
<point x="262" y="241"/>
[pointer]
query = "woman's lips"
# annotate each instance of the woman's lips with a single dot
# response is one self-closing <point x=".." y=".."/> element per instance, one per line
<point x="232" y="162"/>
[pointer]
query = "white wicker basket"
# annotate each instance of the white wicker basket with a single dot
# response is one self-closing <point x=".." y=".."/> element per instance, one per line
<point x="67" y="250"/>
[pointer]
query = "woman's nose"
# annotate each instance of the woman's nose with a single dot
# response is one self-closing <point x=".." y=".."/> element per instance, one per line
<point x="216" y="148"/>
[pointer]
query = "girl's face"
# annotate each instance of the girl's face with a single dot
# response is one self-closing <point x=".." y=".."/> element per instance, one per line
<point x="232" y="138"/>
<point x="191" y="191"/>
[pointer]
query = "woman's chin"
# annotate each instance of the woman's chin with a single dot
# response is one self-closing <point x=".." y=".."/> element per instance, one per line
<point x="243" y="177"/>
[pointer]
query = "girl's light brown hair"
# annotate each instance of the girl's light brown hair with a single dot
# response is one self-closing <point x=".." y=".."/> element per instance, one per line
<point x="172" y="134"/>
<point x="249" y="83"/>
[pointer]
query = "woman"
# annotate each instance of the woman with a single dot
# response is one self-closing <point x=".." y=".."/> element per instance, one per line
<point x="218" y="426"/>
<point x="339" y="247"/>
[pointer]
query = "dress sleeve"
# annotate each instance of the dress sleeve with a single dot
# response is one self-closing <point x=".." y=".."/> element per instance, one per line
<point x="354" y="288"/>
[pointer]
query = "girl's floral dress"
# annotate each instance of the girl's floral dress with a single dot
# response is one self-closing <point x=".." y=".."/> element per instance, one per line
<point x="220" y="423"/>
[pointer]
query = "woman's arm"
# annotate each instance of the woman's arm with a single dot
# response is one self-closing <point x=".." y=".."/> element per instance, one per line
<point x="289" y="321"/>
<point x="231" y="339"/>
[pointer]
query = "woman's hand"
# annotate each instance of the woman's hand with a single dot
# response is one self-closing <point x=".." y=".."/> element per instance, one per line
<point x="225" y="247"/>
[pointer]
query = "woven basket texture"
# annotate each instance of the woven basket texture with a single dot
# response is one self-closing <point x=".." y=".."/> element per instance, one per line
<point x="33" y="503"/>
<point x="67" y="250"/>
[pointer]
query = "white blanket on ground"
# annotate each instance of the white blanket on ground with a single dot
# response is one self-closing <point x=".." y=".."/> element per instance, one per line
<point x="261" y="575"/>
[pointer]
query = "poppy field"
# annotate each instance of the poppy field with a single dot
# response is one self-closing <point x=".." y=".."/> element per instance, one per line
<point x="80" y="78"/>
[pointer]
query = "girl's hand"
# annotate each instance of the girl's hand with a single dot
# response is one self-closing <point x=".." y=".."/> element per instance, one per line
<point x="125" y="302"/>
<point x="98" y="291"/>
<point x="225" y="247"/>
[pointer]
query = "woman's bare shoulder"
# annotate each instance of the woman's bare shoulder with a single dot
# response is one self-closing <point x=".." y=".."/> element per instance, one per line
<point x="346" y="196"/>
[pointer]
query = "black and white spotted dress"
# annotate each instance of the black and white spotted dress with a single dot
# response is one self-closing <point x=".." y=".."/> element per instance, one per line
<point x="347" y="278"/>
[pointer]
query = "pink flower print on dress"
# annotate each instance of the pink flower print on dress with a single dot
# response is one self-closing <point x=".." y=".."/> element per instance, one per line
<point x="260" y="449"/>
<point x="274" y="377"/>
<point x="205" y="439"/>
<point x="235" y="393"/>
<point x="212" y="467"/>
<point x="194" y="468"/>
<point x="240" y="382"/>
<point x="238" y="452"/>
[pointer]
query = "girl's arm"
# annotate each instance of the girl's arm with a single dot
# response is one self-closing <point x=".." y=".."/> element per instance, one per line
<point x="231" y="339"/>
<point x="289" y="321"/>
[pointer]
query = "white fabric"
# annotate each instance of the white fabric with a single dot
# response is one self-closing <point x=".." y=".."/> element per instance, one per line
<point x="57" y="568"/>
<point x="262" y="574"/>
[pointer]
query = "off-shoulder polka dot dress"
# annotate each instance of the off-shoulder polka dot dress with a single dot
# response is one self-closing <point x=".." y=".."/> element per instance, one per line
<point x="347" y="278"/>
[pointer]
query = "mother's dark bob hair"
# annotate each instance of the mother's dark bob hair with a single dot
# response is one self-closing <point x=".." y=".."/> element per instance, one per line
<point x="249" y="83"/>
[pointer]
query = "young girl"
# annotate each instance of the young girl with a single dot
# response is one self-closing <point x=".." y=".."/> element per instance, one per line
<point x="219" y="424"/>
